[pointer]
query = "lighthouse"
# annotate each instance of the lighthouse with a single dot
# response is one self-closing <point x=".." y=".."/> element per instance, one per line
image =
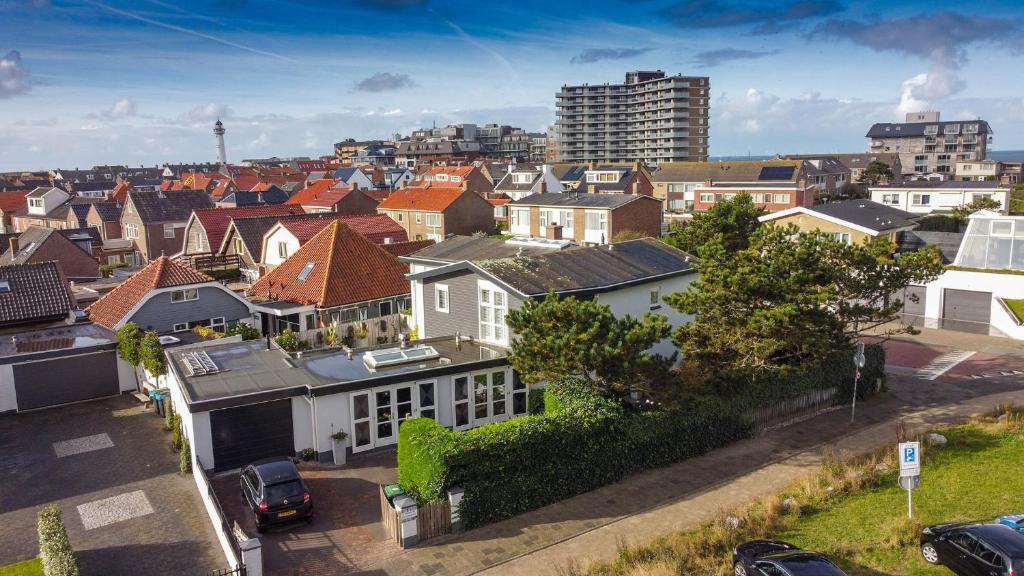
<point x="218" y="134"/>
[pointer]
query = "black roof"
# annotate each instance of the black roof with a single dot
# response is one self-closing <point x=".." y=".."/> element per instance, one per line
<point x="252" y="229"/>
<point x="893" y="130"/>
<point x="580" y="200"/>
<point x="1006" y="539"/>
<point x="804" y="563"/>
<point x="36" y="293"/>
<point x="272" y="195"/>
<point x="85" y="233"/>
<point x="168" y="206"/>
<point x="108" y="211"/>
<point x="914" y="240"/>
<point x="867" y="214"/>
<point x="588" y="270"/>
<point x="459" y="248"/>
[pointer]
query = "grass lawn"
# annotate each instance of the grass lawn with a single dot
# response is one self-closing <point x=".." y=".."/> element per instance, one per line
<point x="33" y="567"/>
<point x="1017" y="307"/>
<point x="855" y="512"/>
<point x="977" y="477"/>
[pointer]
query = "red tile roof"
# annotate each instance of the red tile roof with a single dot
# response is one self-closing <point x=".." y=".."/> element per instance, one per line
<point x="11" y="201"/>
<point x="318" y="193"/>
<point x="347" y="269"/>
<point x="215" y="221"/>
<point x="422" y="199"/>
<point x="406" y="248"/>
<point x="374" y="227"/>
<point x="163" y="272"/>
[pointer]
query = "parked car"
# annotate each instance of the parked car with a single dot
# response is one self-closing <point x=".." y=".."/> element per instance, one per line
<point x="1015" y="521"/>
<point x="974" y="549"/>
<point x="776" y="558"/>
<point x="275" y="492"/>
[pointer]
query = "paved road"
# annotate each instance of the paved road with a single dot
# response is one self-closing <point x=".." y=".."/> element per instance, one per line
<point x="110" y="469"/>
<point x="590" y="526"/>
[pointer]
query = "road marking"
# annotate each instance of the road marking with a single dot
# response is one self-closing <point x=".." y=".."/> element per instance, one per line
<point x="81" y="445"/>
<point x="943" y="364"/>
<point x="126" y="506"/>
<point x="993" y="375"/>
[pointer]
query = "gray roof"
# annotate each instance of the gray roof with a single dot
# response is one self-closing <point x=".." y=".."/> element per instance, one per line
<point x="168" y="206"/>
<point x="108" y="211"/>
<point x="588" y="270"/>
<point x="508" y="182"/>
<point x="37" y="292"/>
<point x="774" y="170"/>
<point x="458" y="248"/>
<point x="911" y="129"/>
<point x="580" y="200"/>
<point x="867" y="214"/>
<point x="41" y="191"/>
<point x="948" y="242"/>
<point x="944" y="185"/>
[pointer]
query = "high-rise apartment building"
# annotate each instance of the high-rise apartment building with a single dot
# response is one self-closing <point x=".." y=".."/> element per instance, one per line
<point x="652" y="117"/>
<point x="927" y="146"/>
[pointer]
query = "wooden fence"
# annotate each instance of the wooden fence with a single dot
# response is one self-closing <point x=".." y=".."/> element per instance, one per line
<point x="435" y="519"/>
<point x="392" y="523"/>
<point x="785" y="411"/>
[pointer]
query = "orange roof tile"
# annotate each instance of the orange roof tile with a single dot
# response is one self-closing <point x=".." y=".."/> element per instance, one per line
<point x="309" y="193"/>
<point x="163" y="272"/>
<point x="347" y="269"/>
<point x="215" y="221"/>
<point x="11" y="201"/>
<point x="374" y="227"/>
<point x="422" y="199"/>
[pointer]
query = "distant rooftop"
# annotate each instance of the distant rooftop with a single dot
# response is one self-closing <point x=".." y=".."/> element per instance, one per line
<point x="62" y="337"/>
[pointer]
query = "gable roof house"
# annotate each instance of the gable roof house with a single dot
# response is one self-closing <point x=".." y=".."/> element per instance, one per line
<point x="433" y="213"/>
<point x="336" y="278"/>
<point x="169" y="297"/>
<point x="206" y="227"/>
<point x="10" y="204"/>
<point x="33" y="293"/>
<point x="155" y="221"/>
<point x="927" y="196"/>
<point x="616" y="179"/>
<point x="269" y="195"/>
<point x="584" y="218"/>
<point x="327" y="196"/>
<point x="44" y="206"/>
<point x="849" y="221"/>
<point x="37" y="245"/>
<point x="676" y="183"/>
<point x="353" y="177"/>
<point x="286" y="236"/>
<point x="468" y="177"/>
<point x="105" y="217"/>
<point x="520" y="182"/>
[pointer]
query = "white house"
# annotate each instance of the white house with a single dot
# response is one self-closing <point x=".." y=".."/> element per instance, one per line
<point x="42" y="201"/>
<point x="927" y="196"/>
<point x="988" y="271"/>
<point x="355" y="176"/>
<point x="519" y="183"/>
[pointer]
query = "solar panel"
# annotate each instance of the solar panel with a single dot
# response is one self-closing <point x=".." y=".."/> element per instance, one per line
<point x="776" y="173"/>
<point x="199" y="363"/>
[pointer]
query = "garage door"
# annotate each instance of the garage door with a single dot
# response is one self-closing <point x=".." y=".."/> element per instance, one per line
<point x="913" y="300"/>
<point x="966" y="310"/>
<point x="248" y="433"/>
<point x="68" y="379"/>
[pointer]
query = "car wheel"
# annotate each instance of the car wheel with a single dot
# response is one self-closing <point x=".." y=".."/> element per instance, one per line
<point x="739" y="570"/>
<point x="930" y="554"/>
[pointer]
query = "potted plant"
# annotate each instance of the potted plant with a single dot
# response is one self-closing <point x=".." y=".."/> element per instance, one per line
<point x="331" y="336"/>
<point x="338" y="439"/>
<point x="307" y="454"/>
<point x="361" y="332"/>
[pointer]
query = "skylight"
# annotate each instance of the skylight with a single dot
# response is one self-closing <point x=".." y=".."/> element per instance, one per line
<point x="5" y="286"/>
<point x="305" y="271"/>
<point x="392" y="356"/>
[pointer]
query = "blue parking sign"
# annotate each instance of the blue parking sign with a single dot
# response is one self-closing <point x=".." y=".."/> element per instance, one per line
<point x="910" y="454"/>
<point x="910" y="458"/>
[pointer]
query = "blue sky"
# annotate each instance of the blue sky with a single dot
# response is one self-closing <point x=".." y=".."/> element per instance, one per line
<point x="142" y="81"/>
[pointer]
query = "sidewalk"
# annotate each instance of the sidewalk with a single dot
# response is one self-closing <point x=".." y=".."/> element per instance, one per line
<point x="589" y="527"/>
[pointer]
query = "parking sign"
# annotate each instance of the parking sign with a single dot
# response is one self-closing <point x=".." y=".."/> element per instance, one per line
<point x="910" y="458"/>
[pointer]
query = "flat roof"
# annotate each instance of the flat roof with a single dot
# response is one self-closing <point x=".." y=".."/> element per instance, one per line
<point x="248" y="372"/>
<point x="55" y="338"/>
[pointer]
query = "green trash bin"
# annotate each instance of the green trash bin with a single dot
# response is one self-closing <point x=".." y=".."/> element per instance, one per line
<point x="392" y="490"/>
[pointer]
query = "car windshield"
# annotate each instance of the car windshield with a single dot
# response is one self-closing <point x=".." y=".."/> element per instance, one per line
<point x="812" y="567"/>
<point x="276" y="493"/>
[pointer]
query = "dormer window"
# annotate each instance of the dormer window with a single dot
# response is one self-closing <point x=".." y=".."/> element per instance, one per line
<point x="35" y="202"/>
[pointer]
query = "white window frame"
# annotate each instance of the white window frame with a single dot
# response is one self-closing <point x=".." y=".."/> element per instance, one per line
<point x="239" y="246"/>
<point x="433" y="220"/>
<point x="493" y="330"/>
<point x="655" y="296"/>
<point x="181" y="327"/>
<point x="917" y="199"/>
<point x="380" y="308"/>
<point x="419" y="218"/>
<point x="35" y="202"/>
<point x="842" y="237"/>
<point x="439" y="306"/>
<point x="218" y="322"/>
<point x="508" y="389"/>
<point x="783" y="198"/>
<point x="282" y="249"/>
<point x="187" y="295"/>
<point x="707" y="198"/>
<point x="168" y="228"/>
<point x="131" y="231"/>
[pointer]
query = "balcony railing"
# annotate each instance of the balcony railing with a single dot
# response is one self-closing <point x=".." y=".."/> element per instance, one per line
<point x="381" y="330"/>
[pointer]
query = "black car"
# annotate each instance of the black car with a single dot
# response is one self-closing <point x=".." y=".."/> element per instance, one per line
<point x="974" y="549"/>
<point x="275" y="491"/>
<point x="776" y="558"/>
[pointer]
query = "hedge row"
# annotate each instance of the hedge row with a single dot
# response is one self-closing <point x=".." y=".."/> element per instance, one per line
<point x="582" y="442"/>
<point x="54" y="547"/>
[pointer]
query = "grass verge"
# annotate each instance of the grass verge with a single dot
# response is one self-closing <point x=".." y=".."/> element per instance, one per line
<point x="33" y="567"/>
<point x="853" y="510"/>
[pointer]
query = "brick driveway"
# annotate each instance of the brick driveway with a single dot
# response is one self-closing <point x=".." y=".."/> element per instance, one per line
<point x="346" y="534"/>
<point x="153" y="522"/>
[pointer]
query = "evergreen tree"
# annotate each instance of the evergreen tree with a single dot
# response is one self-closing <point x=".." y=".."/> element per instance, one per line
<point x="735" y="220"/>
<point x="128" y="339"/>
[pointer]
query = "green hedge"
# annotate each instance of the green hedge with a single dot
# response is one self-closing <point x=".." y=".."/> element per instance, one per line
<point x="423" y="447"/>
<point x="535" y="401"/>
<point x="54" y="547"/>
<point x="938" y="223"/>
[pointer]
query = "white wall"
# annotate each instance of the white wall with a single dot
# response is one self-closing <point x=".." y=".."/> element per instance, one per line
<point x="941" y="199"/>
<point x="302" y="423"/>
<point x="416" y="287"/>
<point x="8" y="396"/>
<point x="635" y="301"/>
<point x="126" y="376"/>
<point x="279" y="234"/>
<point x="1000" y="285"/>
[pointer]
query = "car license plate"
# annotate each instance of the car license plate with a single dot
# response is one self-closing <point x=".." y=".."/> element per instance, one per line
<point x="286" y="513"/>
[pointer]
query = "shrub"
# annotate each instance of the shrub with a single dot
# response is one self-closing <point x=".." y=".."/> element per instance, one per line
<point x="168" y="414"/>
<point x="176" y="436"/>
<point x="289" y="341"/>
<point x="128" y="340"/>
<point x="185" y="457"/>
<point x="518" y="465"/>
<point x="107" y="269"/>
<point x="54" y="547"/>
<point x="207" y="333"/>
<point x="938" y="223"/>
<point x="247" y="331"/>
<point x="535" y="401"/>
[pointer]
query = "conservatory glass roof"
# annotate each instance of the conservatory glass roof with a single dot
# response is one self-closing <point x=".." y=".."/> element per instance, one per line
<point x="993" y="241"/>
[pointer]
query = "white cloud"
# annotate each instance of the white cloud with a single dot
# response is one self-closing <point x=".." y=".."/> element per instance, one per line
<point x="13" y="75"/>
<point x="123" y="108"/>
<point x="205" y="114"/>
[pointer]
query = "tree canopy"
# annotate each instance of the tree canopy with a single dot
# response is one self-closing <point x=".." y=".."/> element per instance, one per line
<point x="791" y="298"/>
<point x="151" y="353"/>
<point x="128" y="339"/>
<point x="875" y="172"/>
<point x="566" y="337"/>
<point x="734" y="220"/>
<point x="984" y="203"/>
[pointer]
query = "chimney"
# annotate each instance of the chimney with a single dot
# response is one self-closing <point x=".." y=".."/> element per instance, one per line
<point x="592" y="165"/>
<point x="637" y="166"/>
<point x="14" y="245"/>
<point x="543" y="187"/>
<point x="592" y="188"/>
<point x="636" y="188"/>
<point x="553" y="232"/>
<point x="355" y="186"/>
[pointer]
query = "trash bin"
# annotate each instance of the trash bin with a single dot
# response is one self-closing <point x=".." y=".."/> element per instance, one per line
<point x="392" y="490"/>
<point x="158" y="401"/>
